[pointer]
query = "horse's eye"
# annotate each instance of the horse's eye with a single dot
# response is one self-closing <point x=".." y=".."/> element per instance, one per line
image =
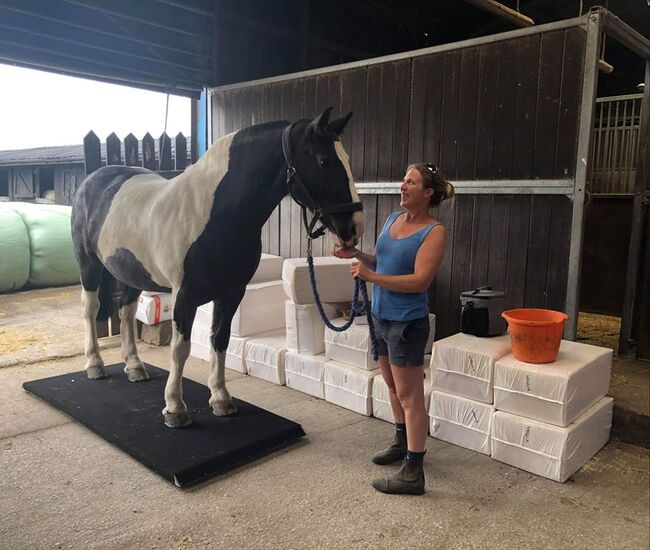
<point x="322" y="162"/>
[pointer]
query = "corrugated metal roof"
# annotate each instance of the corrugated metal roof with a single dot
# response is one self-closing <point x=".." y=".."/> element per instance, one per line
<point x="164" y="45"/>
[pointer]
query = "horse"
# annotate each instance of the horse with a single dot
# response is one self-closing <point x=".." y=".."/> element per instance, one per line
<point x="198" y="236"/>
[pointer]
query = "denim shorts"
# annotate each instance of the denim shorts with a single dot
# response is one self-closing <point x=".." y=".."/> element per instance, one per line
<point x="403" y="341"/>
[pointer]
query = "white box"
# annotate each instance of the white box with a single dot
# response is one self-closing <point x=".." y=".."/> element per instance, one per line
<point x="269" y="269"/>
<point x="154" y="308"/>
<point x="551" y="451"/>
<point x="557" y="392"/>
<point x="333" y="280"/>
<point x="305" y="373"/>
<point x="463" y="422"/>
<point x="305" y="328"/>
<point x="463" y="364"/>
<point x="201" y="347"/>
<point x="261" y="310"/>
<point x="351" y="346"/>
<point x="348" y="387"/>
<point x="264" y="356"/>
<point x="380" y="402"/>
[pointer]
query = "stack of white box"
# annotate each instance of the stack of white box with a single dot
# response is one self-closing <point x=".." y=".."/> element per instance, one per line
<point x="461" y="408"/>
<point x="257" y="328"/>
<point x="305" y="361"/>
<point x="552" y="418"/>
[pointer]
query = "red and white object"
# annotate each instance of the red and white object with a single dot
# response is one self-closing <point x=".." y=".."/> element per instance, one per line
<point x="305" y="373"/>
<point x="380" y="401"/>
<point x="551" y="451"/>
<point x="333" y="280"/>
<point x="154" y="307"/>
<point x="463" y="364"/>
<point x="348" y="387"/>
<point x="463" y="422"/>
<point x="557" y="392"/>
<point x="305" y="328"/>
<point x="265" y="355"/>
<point x="261" y="310"/>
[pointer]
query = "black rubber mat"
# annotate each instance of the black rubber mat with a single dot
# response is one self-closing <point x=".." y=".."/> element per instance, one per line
<point x="128" y="415"/>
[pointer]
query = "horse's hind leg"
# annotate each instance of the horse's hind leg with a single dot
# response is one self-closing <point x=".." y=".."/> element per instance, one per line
<point x="134" y="367"/>
<point x="175" y="411"/>
<point x="91" y="272"/>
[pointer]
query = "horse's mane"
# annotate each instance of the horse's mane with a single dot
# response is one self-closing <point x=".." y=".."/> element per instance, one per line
<point x="258" y="132"/>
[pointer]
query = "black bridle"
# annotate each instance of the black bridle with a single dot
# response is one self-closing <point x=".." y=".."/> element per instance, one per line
<point x="299" y="193"/>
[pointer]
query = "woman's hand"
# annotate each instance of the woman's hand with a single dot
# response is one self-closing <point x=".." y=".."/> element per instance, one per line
<point x="345" y="252"/>
<point x="359" y="270"/>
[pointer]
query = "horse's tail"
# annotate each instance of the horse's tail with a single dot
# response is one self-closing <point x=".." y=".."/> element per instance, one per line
<point x="106" y="295"/>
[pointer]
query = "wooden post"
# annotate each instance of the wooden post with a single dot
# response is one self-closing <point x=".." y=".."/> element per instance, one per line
<point x="92" y="153"/>
<point x="165" y="153"/>
<point x="181" y="151"/>
<point x="131" y="151"/>
<point x="113" y="150"/>
<point x="148" y="152"/>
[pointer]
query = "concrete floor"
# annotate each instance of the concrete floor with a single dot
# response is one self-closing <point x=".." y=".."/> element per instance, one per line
<point x="64" y="487"/>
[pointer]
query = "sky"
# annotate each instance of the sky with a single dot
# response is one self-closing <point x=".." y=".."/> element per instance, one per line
<point x="39" y="109"/>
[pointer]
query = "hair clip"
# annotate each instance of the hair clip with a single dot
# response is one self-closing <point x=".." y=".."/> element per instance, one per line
<point x="431" y="167"/>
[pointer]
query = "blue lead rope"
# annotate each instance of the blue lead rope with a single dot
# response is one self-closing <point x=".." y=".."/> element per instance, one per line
<point x="359" y="286"/>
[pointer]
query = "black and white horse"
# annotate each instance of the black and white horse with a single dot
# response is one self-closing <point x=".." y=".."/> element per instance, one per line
<point x="198" y="236"/>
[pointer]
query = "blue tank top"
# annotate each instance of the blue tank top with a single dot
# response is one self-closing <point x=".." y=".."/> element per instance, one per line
<point x="397" y="257"/>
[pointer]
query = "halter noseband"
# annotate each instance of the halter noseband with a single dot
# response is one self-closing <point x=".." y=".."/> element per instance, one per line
<point x="296" y="186"/>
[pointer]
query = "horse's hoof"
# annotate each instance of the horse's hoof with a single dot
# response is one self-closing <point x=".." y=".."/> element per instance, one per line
<point x="136" y="374"/>
<point x="96" y="372"/>
<point x="177" y="420"/>
<point x="224" y="408"/>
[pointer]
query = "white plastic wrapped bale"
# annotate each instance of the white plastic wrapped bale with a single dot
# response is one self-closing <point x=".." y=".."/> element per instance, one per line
<point x="305" y="373"/>
<point x="261" y="310"/>
<point x="463" y="422"/>
<point x="305" y="328"/>
<point x="201" y="348"/>
<point x="269" y="269"/>
<point x="463" y="364"/>
<point x="264" y="356"/>
<point x="557" y="392"/>
<point x="380" y="402"/>
<point x="353" y="346"/>
<point x="551" y="451"/>
<point x="348" y="387"/>
<point x="333" y="280"/>
<point x="154" y="308"/>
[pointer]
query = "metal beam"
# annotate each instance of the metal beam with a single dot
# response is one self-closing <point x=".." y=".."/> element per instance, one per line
<point x="624" y="34"/>
<point x="585" y="133"/>
<point x="504" y="12"/>
<point x="481" y="187"/>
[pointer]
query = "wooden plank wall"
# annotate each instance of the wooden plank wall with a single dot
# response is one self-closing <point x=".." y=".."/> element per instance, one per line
<point x="505" y="110"/>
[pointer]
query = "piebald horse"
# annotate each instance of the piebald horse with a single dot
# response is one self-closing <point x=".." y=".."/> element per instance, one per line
<point x="198" y="236"/>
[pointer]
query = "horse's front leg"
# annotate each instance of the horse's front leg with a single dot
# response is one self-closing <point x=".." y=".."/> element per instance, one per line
<point x="175" y="411"/>
<point x="223" y="312"/>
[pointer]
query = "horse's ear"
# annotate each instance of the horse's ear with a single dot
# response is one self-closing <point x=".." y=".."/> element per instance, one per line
<point x="337" y="126"/>
<point x="318" y="125"/>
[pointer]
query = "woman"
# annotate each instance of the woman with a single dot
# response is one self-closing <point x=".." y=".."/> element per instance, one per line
<point x="407" y="256"/>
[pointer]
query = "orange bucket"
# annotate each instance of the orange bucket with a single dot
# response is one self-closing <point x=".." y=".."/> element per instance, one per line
<point x="535" y="333"/>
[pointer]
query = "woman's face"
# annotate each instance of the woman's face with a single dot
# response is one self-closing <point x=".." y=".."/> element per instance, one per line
<point x="413" y="192"/>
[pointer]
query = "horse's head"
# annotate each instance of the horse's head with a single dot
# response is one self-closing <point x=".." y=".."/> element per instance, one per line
<point x="323" y="180"/>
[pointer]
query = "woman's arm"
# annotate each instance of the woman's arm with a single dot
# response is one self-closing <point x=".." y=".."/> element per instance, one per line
<point x="427" y="262"/>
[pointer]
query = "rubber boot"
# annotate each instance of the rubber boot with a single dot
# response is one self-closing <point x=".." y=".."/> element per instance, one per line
<point x="396" y="451"/>
<point x="408" y="480"/>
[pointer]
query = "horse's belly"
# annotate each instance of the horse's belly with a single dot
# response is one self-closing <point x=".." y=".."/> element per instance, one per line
<point x="126" y="267"/>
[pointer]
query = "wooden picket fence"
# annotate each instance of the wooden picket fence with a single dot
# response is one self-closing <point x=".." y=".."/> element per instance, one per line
<point x="166" y="164"/>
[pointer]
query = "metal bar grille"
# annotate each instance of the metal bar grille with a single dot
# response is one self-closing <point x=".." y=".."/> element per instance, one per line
<point x="616" y="144"/>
